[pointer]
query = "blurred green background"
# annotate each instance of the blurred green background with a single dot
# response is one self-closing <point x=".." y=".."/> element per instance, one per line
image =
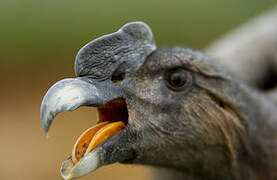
<point x="38" y="44"/>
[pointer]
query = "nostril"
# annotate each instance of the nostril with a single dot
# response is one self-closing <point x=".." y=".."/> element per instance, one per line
<point x="119" y="73"/>
<point x="118" y="77"/>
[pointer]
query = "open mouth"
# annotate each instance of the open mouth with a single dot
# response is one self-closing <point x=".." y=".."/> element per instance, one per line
<point x="107" y="142"/>
<point x="112" y="118"/>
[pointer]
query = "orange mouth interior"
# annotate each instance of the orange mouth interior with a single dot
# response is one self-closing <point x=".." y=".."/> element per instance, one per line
<point x="113" y="117"/>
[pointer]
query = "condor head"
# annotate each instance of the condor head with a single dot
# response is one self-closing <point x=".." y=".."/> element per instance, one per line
<point x="162" y="107"/>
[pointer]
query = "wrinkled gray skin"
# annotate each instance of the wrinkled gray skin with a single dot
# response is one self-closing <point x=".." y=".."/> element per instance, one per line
<point x="215" y="128"/>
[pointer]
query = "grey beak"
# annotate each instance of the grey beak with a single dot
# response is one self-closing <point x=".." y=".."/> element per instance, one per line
<point x="67" y="95"/>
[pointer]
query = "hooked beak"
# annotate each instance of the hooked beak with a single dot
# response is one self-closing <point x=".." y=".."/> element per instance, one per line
<point x="68" y="95"/>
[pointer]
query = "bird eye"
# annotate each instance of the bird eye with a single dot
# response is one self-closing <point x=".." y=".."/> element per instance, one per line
<point x="178" y="79"/>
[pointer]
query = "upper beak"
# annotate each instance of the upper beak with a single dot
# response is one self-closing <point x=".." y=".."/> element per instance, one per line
<point x="68" y="95"/>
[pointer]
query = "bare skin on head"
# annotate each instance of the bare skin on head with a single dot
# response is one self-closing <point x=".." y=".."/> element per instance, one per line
<point x="173" y="108"/>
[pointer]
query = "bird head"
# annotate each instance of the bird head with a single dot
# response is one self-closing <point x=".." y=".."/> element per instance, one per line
<point x="179" y="109"/>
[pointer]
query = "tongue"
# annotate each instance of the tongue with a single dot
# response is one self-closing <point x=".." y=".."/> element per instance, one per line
<point x="94" y="136"/>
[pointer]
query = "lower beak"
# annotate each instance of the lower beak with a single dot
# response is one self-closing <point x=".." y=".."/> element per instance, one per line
<point x="117" y="149"/>
<point x="86" y="165"/>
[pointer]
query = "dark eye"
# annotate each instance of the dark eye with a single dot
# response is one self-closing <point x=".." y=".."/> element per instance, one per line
<point x="178" y="79"/>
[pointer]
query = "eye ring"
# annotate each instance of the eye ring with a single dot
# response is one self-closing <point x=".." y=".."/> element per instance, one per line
<point x="178" y="79"/>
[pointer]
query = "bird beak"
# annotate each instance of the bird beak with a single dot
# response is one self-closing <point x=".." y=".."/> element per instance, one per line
<point x="69" y="94"/>
<point x="123" y="51"/>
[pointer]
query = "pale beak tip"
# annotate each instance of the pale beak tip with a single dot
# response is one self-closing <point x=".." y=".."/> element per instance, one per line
<point x="44" y="118"/>
<point x="87" y="164"/>
<point x="47" y="135"/>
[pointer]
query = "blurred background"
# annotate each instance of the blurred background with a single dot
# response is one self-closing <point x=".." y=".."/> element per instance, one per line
<point x="38" y="44"/>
